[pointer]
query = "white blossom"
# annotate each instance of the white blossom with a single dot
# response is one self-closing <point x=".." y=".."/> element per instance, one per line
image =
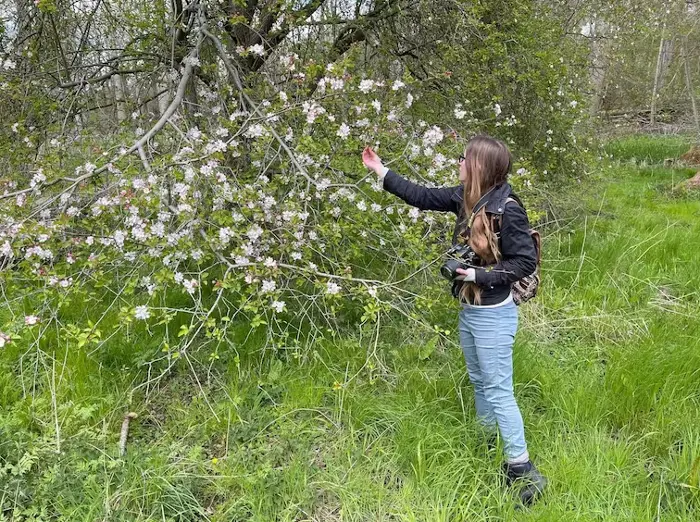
<point x="257" y="49"/>
<point x="432" y="136"/>
<point x="38" y="178"/>
<point x="119" y="237"/>
<point x="142" y="312"/>
<point x="312" y="110"/>
<point x="255" y="131"/>
<point x="343" y="131"/>
<point x="332" y="288"/>
<point x="278" y="306"/>
<point x="366" y="86"/>
<point x="191" y="60"/>
<point x="254" y="233"/>
<point x="190" y="285"/>
<point x="6" y="250"/>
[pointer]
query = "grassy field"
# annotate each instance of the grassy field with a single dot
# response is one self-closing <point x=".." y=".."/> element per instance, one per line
<point x="381" y="427"/>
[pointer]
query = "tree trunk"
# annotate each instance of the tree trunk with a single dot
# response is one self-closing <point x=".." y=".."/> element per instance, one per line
<point x="598" y="67"/>
<point x="119" y="97"/>
<point x="689" y="85"/>
<point x="662" y="61"/>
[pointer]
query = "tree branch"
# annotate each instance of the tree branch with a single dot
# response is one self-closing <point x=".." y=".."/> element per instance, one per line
<point x="239" y="85"/>
<point x="177" y="100"/>
<point x="98" y="79"/>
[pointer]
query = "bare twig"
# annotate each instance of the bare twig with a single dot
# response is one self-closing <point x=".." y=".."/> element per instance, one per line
<point x="99" y="79"/>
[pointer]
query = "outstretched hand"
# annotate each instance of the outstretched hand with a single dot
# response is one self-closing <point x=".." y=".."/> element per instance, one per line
<point x="371" y="160"/>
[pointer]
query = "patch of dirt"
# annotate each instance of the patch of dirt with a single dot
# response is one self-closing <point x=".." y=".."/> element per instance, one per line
<point x="692" y="157"/>
<point x="694" y="182"/>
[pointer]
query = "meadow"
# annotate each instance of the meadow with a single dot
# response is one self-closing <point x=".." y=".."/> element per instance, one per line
<point x="378" y="425"/>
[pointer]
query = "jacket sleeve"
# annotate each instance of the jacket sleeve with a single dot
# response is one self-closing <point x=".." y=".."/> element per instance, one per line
<point x="422" y="197"/>
<point x="518" y="254"/>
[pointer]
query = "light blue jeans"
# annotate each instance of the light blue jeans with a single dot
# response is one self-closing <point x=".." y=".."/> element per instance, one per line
<point x="487" y="336"/>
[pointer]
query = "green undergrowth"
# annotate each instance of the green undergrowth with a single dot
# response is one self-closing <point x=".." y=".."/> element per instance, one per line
<point x="377" y="424"/>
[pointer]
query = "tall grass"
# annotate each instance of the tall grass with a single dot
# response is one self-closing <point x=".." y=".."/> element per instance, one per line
<point x="376" y="428"/>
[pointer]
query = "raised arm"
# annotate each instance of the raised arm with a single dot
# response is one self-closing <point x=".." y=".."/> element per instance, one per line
<point x="419" y="196"/>
<point x="424" y="198"/>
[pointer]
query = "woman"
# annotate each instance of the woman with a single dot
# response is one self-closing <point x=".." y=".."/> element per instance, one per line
<point x="491" y="221"/>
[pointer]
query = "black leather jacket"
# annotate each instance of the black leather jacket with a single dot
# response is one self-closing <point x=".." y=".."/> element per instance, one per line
<point x="518" y="253"/>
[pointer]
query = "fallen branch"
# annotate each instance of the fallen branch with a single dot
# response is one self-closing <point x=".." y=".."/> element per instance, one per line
<point x="125" y="432"/>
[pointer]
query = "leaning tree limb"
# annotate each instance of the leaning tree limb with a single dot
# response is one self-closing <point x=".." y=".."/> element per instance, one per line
<point x="177" y="101"/>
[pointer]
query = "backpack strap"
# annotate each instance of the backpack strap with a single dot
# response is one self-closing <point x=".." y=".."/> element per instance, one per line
<point x="534" y="234"/>
<point x="499" y="217"/>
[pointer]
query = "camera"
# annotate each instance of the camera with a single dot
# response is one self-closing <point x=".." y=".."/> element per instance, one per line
<point x="461" y="256"/>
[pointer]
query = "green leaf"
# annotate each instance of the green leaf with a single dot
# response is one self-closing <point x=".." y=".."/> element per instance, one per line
<point x="428" y="348"/>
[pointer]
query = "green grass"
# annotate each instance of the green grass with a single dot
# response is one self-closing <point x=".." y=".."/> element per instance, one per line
<point x="607" y="377"/>
<point x="649" y="149"/>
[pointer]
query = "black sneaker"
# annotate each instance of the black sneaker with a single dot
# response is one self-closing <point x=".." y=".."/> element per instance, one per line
<point x="532" y="482"/>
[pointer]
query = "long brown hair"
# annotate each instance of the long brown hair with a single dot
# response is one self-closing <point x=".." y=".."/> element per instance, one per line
<point x="488" y="162"/>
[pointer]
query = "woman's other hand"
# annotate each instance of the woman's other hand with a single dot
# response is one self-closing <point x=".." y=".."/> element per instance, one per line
<point x="468" y="274"/>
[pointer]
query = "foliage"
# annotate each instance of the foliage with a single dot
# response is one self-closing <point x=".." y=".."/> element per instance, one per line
<point x="244" y="201"/>
<point x="380" y="424"/>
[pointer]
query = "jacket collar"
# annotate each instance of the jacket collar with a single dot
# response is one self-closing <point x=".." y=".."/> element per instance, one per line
<point x="495" y="199"/>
